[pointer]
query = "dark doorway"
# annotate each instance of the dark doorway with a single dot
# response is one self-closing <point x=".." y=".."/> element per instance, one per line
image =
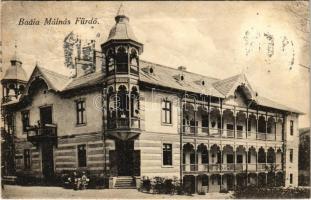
<point x="47" y="146"/>
<point x="125" y="155"/>
<point x="47" y="160"/>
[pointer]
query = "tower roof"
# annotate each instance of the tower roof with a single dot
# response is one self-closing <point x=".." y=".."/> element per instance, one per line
<point x="15" y="71"/>
<point x="122" y="29"/>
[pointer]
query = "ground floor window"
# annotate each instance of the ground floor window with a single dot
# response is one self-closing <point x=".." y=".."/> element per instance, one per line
<point x="27" y="158"/>
<point x="167" y="154"/>
<point x="82" y="155"/>
<point x="205" y="181"/>
<point x="291" y="178"/>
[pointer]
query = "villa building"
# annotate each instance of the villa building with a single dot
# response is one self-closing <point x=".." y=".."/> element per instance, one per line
<point x="126" y="117"/>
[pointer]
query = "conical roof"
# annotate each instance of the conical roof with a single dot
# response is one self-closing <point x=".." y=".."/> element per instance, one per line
<point x="15" y="71"/>
<point x="122" y="29"/>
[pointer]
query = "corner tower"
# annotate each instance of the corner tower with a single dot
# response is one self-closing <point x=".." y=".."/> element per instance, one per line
<point x="122" y="51"/>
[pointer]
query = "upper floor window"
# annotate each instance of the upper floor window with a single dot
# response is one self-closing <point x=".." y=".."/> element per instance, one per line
<point x="291" y="127"/>
<point x="25" y="119"/>
<point x="290" y="178"/>
<point x="27" y="158"/>
<point x="167" y="154"/>
<point x="81" y="115"/>
<point x="82" y="155"/>
<point x="291" y="152"/>
<point x="166" y="111"/>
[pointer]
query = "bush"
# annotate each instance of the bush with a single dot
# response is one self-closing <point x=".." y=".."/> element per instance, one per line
<point x="272" y="192"/>
<point x="160" y="185"/>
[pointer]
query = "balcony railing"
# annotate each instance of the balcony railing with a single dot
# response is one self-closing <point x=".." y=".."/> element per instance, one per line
<point x="227" y="133"/>
<point x="227" y="167"/>
<point x="43" y="133"/>
<point x="231" y="167"/>
<point x="261" y="167"/>
<point x="124" y="123"/>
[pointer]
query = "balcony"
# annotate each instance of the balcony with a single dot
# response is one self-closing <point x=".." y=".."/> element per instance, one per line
<point x="46" y="133"/>
<point x="124" y="128"/>
<point x="124" y="123"/>
<point x="261" y="167"/>
<point x="227" y="167"/>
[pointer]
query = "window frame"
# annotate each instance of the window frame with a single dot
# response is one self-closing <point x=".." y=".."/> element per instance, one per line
<point x="22" y="116"/>
<point x="78" y="159"/>
<point x="164" y="150"/>
<point x="82" y="110"/>
<point x="166" y="110"/>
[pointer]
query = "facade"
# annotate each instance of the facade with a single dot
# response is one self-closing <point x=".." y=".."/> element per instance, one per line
<point x="304" y="157"/>
<point x="134" y="118"/>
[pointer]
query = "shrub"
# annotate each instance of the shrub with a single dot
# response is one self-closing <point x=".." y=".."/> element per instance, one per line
<point x="145" y="184"/>
<point x="272" y="192"/>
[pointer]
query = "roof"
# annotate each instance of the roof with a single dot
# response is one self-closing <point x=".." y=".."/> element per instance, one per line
<point x="263" y="101"/>
<point x="87" y="80"/>
<point x="162" y="76"/>
<point x="304" y="131"/>
<point x="15" y="72"/>
<point x="122" y="29"/>
<point x="55" y="80"/>
<point x="168" y="77"/>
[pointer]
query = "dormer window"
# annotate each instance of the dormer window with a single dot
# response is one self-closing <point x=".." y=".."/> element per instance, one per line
<point x="182" y="77"/>
<point x="151" y="70"/>
<point x="203" y="82"/>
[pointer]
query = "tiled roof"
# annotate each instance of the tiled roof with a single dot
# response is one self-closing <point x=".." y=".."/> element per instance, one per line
<point x="168" y="77"/>
<point x="225" y="86"/>
<point x="87" y="80"/>
<point x="263" y="101"/>
<point x="57" y="81"/>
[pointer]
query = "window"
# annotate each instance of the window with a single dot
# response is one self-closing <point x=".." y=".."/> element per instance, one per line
<point x="82" y="155"/>
<point x="290" y="178"/>
<point x="249" y="157"/>
<point x="291" y="127"/>
<point x="27" y="158"/>
<point x="25" y="119"/>
<point x="239" y="128"/>
<point x="249" y="121"/>
<point x="229" y="126"/>
<point x="166" y="111"/>
<point x="205" y="181"/>
<point x="239" y="158"/>
<point x="291" y="152"/>
<point x="204" y="157"/>
<point x="80" y="107"/>
<point x="167" y="154"/>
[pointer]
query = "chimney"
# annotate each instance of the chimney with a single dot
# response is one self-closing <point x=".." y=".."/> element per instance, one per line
<point x="182" y="68"/>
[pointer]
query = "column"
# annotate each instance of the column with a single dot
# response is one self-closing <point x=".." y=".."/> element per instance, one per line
<point x="256" y="160"/>
<point x="246" y="160"/>
<point x="246" y="131"/>
<point x="257" y="125"/>
<point x="234" y="126"/>
<point x="266" y="121"/>
<point x="266" y="154"/>
<point x="234" y="159"/>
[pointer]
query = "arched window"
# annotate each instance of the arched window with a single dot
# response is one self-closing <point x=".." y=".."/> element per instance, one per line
<point x="122" y="60"/>
<point x="134" y="102"/>
<point x="110" y="61"/>
<point x="134" y="57"/>
<point x="21" y="89"/>
<point x="122" y="104"/>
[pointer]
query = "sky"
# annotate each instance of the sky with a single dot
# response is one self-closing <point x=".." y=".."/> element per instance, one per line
<point x="217" y="39"/>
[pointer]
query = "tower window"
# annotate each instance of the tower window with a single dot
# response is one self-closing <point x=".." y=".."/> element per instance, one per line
<point x="166" y="111"/>
<point x="291" y="178"/>
<point x="82" y="155"/>
<point x="122" y="60"/>
<point x="291" y="152"/>
<point x="25" y="119"/>
<point x="81" y="115"/>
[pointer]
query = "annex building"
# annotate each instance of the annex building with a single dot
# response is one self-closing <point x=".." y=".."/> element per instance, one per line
<point x="129" y="118"/>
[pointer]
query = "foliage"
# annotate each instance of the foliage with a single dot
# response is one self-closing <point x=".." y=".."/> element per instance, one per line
<point x="161" y="185"/>
<point x="271" y="193"/>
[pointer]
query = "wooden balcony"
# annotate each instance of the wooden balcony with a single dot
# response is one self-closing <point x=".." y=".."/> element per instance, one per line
<point x="46" y="133"/>
<point x="124" y="128"/>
